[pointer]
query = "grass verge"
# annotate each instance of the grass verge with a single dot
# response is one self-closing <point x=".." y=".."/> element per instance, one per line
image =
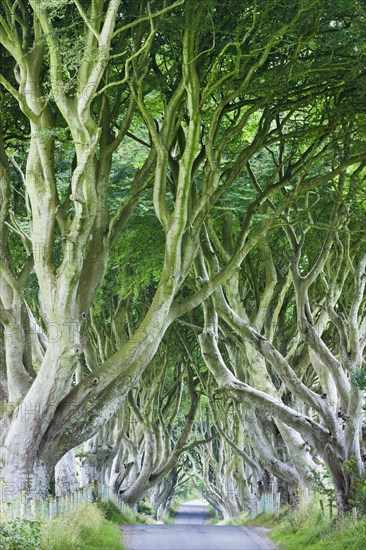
<point x="84" y="528"/>
<point x="169" y="513"/>
<point x="127" y="515"/>
<point x="213" y="515"/>
<point x="307" y="528"/>
<point x="311" y="530"/>
<point x="87" y="527"/>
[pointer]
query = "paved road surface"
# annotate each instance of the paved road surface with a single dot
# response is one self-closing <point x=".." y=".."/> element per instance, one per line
<point x="190" y="533"/>
<point x="194" y="512"/>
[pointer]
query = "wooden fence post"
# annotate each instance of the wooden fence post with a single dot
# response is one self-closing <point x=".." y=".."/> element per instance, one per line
<point x="33" y="508"/>
<point x="277" y="505"/>
<point x="22" y="505"/>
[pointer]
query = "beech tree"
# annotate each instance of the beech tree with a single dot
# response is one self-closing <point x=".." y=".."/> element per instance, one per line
<point x="269" y="369"/>
<point x="210" y="85"/>
<point x="143" y="444"/>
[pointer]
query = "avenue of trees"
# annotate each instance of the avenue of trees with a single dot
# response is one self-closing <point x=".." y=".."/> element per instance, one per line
<point x="183" y="247"/>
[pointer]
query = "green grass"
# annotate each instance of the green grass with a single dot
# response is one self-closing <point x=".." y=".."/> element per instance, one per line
<point x="169" y="514"/>
<point x="84" y="528"/>
<point x="319" y="533"/>
<point x="213" y="515"/>
<point x="114" y="514"/>
<point x="265" y="519"/>
<point x="107" y="536"/>
<point x="307" y="528"/>
<point x="87" y="527"/>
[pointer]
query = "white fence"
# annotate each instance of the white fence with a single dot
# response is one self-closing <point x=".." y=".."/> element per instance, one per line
<point x="52" y="507"/>
<point x="268" y="502"/>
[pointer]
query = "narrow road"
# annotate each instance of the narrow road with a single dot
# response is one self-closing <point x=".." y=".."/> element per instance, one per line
<point x="194" y="512"/>
<point x="190" y="533"/>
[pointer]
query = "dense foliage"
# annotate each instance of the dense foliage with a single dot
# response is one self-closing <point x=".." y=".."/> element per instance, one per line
<point x="182" y="246"/>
